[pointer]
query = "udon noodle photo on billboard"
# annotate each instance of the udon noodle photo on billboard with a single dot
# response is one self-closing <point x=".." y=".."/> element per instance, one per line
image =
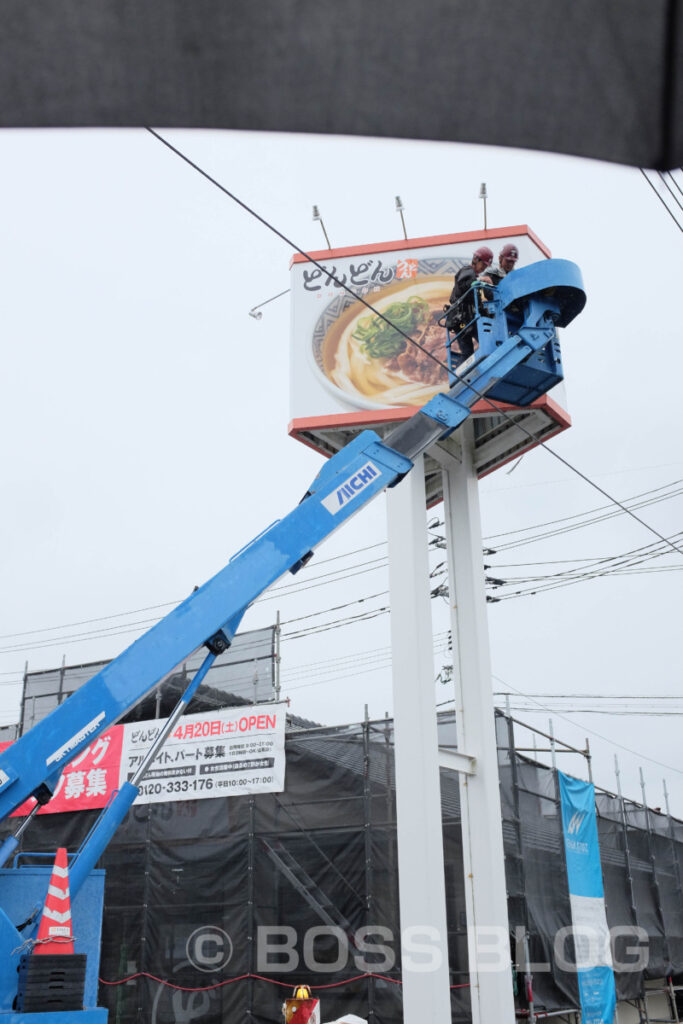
<point x="369" y="360"/>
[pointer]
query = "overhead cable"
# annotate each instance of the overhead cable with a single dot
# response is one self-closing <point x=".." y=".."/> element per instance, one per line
<point x="670" y="190"/>
<point x="670" y="173"/>
<point x="662" y="201"/>
<point x="589" y="568"/>
<point x="564" y="718"/>
<point x="594" y="511"/>
<point x="411" y="341"/>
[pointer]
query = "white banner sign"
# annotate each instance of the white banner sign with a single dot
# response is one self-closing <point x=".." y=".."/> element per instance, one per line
<point x="219" y="753"/>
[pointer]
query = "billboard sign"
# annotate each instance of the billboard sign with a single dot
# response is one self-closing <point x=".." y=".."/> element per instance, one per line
<point x="89" y="781"/>
<point x="215" y="753"/>
<point x="227" y="752"/>
<point x="344" y="358"/>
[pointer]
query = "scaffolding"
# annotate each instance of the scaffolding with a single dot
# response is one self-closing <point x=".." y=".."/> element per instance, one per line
<point x="641" y="852"/>
<point x="301" y="886"/>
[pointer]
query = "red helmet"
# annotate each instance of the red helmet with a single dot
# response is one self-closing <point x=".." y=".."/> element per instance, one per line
<point x="509" y="251"/>
<point x="484" y="254"/>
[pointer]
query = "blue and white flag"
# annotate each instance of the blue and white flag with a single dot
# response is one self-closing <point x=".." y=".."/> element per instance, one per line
<point x="586" y="895"/>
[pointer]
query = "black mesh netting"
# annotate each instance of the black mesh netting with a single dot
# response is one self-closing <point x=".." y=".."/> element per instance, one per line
<point x="245" y="671"/>
<point x="267" y="891"/>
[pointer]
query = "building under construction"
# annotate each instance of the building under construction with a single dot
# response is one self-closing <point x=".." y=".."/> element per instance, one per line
<point x="216" y="908"/>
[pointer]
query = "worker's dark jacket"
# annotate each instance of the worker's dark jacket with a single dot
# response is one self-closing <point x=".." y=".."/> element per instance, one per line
<point x="465" y="310"/>
<point x="463" y="281"/>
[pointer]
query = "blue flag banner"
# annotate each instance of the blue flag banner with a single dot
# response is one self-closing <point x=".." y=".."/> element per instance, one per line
<point x="586" y="894"/>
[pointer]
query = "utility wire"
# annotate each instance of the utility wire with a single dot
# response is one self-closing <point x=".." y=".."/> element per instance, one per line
<point x="411" y="341"/>
<point x="362" y="667"/>
<point x="524" y="541"/>
<point x="593" y="511"/>
<point x="164" y="604"/>
<point x="337" y="624"/>
<point x="607" y="711"/>
<point x="553" y="581"/>
<point x="670" y="190"/>
<point x="533" y="591"/>
<point x="369" y="566"/>
<point x="552" y="561"/>
<point x="334" y="608"/>
<point x="670" y="173"/>
<point x="291" y="588"/>
<point x="596" y="696"/>
<point x="589" y="568"/>
<point x="564" y="718"/>
<point x="661" y="199"/>
<point x="295" y="589"/>
<point x="628" y="558"/>
<point x="87" y="622"/>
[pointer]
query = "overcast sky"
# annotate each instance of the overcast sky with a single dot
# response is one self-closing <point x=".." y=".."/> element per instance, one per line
<point x="145" y="415"/>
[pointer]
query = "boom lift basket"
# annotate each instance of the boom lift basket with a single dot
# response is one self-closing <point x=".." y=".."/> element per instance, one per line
<point x="485" y="316"/>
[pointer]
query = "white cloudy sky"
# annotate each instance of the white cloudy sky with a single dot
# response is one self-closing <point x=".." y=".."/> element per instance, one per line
<point x="144" y="414"/>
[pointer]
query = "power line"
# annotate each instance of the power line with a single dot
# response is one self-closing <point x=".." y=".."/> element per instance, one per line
<point x="597" y="696"/>
<point x="336" y="574"/>
<point x="661" y="199"/>
<point x="304" y="583"/>
<point x="589" y="569"/>
<point x="635" y="556"/>
<point x="87" y="622"/>
<point x="298" y="588"/>
<point x="334" y="608"/>
<point x="555" y="581"/>
<point x="439" y="638"/>
<point x="552" y="561"/>
<point x="564" y="718"/>
<point x="598" y="515"/>
<point x="361" y="667"/>
<point x="559" y="480"/>
<point x="408" y="338"/>
<point x="670" y="190"/>
<point x="670" y="173"/>
<point x="351" y="620"/>
<point x="291" y="588"/>
<point x="163" y="604"/>
<point x="578" y="515"/>
<point x="608" y="711"/>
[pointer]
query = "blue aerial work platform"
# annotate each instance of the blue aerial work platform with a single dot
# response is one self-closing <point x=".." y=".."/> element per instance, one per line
<point x="493" y="313"/>
<point x="517" y="358"/>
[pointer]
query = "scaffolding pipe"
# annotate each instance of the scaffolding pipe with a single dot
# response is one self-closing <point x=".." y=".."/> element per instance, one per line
<point x="552" y="743"/>
<point x="672" y="998"/>
<point x="528" y="980"/>
<point x="627" y="853"/>
<point x="367" y="842"/>
<point x="654" y="880"/>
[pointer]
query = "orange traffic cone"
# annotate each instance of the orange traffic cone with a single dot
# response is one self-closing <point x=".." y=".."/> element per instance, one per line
<point x="302" y="1008"/>
<point x="55" y="934"/>
<point x="307" y="1012"/>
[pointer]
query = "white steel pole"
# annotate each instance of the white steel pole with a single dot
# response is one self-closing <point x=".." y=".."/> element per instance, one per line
<point x="422" y="889"/>
<point x="482" y="831"/>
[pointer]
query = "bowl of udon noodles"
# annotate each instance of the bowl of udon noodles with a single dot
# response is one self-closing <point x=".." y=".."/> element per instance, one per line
<point x="370" y="361"/>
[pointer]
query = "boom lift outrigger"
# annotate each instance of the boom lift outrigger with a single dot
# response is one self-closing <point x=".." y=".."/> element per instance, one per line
<point x="517" y="360"/>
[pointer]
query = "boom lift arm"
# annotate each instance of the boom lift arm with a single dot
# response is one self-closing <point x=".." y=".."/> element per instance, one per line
<point x="543" y="296"/>
<point x="515" y="331"/>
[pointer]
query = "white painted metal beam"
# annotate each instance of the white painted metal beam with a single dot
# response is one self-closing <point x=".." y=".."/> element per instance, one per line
<point x="422" y="889"/>
<point x="457" y="762"/>
<point x="483" y="857"/>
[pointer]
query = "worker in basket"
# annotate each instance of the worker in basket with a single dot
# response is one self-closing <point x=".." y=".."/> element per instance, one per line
<point x="460" y="311"/>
